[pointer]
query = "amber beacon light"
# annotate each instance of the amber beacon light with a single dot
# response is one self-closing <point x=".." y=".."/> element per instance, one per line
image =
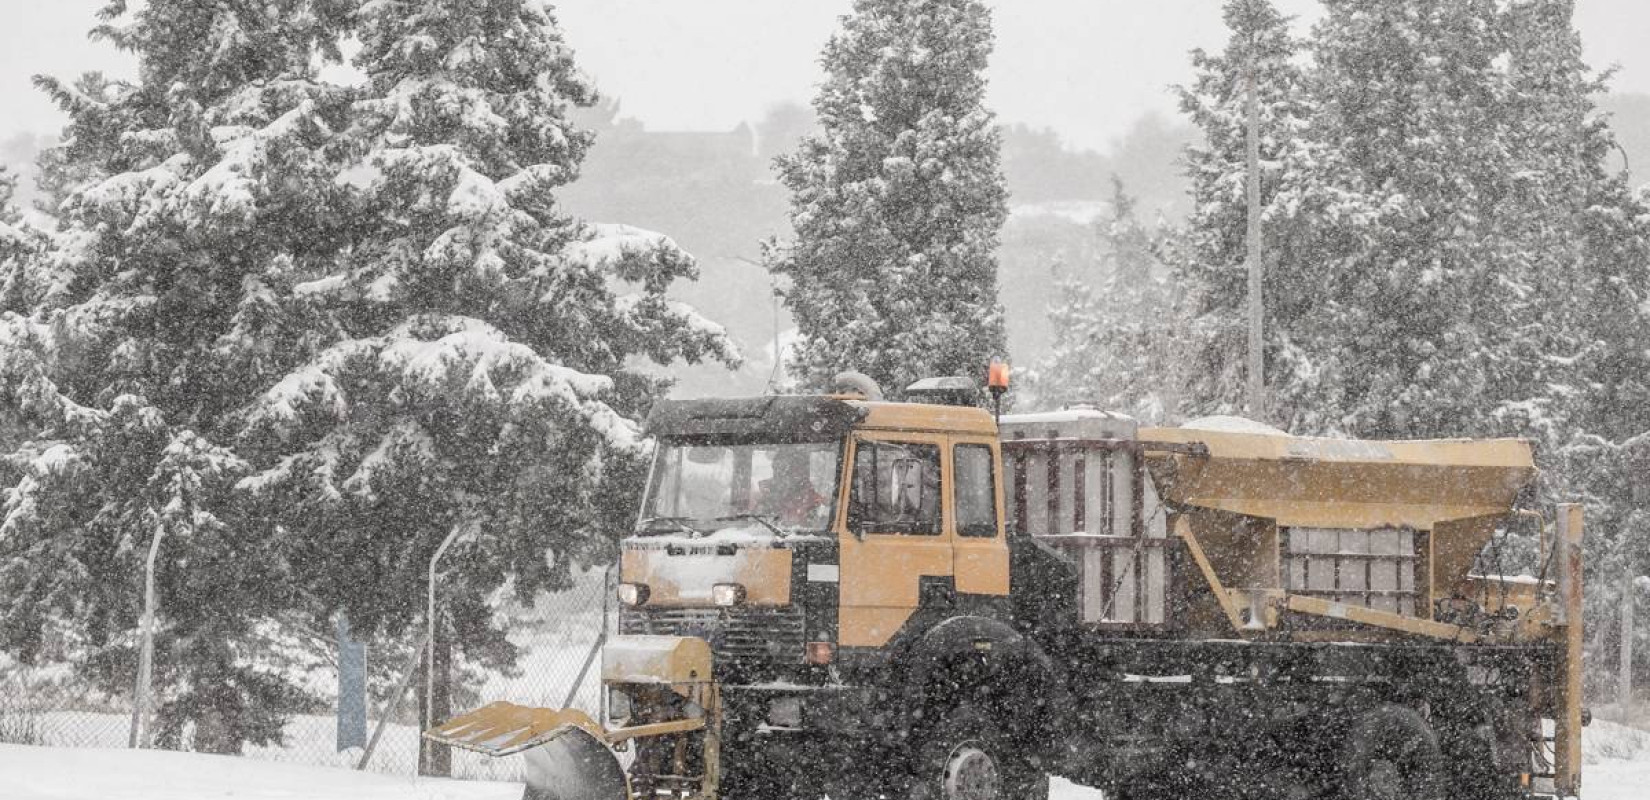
<point x="996" y="380"/>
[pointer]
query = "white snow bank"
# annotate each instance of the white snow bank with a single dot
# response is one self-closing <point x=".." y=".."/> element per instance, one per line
<point x="1605" y="741"/>
<point x="1227" y="424"/>
<point x="46" y="773"/>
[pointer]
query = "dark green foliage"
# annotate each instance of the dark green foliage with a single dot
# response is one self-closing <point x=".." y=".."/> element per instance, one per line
<point x="897" y="202"/>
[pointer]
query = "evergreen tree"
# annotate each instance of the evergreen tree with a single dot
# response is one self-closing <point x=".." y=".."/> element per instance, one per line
<point x="897" y="201"/>
<point x="1584" y="242"/>
<point x="1208" y="262"/>
<point x="1416" y="325"/>
<point x="1114" y="327"/>
<point x="13" y="240"/>
<point x="178" y="192"/>
<point x="1425" y="186"/>
<point x="481" y="371"/>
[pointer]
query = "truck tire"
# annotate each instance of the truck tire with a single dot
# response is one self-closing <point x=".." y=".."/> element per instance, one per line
<point x="1487" y="746"/>
<point x="1392" y="754"/>
<point x="964" y="756"/>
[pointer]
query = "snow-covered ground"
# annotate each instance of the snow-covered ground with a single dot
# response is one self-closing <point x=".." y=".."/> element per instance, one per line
<point x="50" y="773"/>
<point x="1617" y="768"/>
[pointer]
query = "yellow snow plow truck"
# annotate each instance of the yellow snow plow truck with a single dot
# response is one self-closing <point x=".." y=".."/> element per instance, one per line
<point x="836" y="595"/>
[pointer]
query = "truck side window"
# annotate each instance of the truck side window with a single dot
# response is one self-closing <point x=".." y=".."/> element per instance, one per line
<point x="976" y="500"/>
<point x="896" y="488"/>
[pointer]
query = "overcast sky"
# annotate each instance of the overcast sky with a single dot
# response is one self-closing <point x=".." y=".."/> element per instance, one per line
<point x="1087" y="68"/>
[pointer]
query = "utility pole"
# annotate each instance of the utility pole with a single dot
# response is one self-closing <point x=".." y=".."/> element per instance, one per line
<point x="1257" y="378"/>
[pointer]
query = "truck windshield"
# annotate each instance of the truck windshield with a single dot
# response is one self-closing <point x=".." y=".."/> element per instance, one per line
<point x="699" y="488"/>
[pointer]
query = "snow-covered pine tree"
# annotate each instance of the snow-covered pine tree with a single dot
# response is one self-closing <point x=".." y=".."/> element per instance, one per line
<point x="178" y="193"/>
<point x="1414" y="323"/>
<point x="897" y="201"/>
<point x="1208" y="261"/>
<point x="484" y="374"/>
<point x="1583" y="240"/>
<point x="13" y="244"/>
<point x="8" y="210"/>
<point x="1116" y="335"/>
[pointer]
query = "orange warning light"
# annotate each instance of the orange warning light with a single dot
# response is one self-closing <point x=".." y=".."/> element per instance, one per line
<point x="997" y="376"/>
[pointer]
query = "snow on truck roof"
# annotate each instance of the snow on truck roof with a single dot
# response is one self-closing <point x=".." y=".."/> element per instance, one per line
<point x="807" y="417"/>
<point x="1220" y="422"/>
<point x="1238" y="438"/>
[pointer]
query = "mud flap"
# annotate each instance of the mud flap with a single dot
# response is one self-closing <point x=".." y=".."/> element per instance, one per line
<point x="566" y="751"/>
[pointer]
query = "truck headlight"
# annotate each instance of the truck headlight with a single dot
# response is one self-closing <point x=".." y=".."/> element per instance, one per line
<point x="633" y="594"/>
<point x="727" y="594"/>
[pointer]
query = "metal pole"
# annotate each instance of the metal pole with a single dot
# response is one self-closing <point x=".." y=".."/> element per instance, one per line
<point x="395" y="703"/>
<point x="140" y="734"/>
<point x="1624" y="687"/>
<point x="1256" y="376"/>
<point x="430" y="618"/>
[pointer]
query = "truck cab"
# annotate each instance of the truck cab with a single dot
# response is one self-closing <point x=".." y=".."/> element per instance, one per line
<point x="798" y="532"/>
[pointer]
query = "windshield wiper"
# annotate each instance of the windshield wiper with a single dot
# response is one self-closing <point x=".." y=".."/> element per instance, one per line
<point x="647" y="525"/>
<point x="766" y="523"/>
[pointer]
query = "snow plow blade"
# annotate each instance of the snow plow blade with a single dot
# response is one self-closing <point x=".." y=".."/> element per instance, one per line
<point x="574" y="765"/>
<point x="566" y="751"/>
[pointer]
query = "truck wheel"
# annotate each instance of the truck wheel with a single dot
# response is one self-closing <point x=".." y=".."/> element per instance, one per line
<point x="1392" y="754"/>
<point x="965" y="757"/>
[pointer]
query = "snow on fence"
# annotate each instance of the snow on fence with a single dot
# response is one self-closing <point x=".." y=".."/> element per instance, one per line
<point x="50" y="706"/>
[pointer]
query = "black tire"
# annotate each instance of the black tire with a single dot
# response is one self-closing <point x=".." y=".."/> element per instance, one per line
<point x="1488" y="741"/>
<point x="1392" y="754"/>
<point x="964" y="756"/>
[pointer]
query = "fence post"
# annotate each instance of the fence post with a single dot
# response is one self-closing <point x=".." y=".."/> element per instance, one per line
<point x="140" y="735"/>
<point x="436" y="758"/>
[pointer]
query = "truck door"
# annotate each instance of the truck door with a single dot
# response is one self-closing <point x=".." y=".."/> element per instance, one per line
<point x="896" y="534"/>
<point x="981" y="560"/>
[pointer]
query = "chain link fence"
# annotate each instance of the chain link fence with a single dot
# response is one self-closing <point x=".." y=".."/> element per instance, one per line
<point x="557" y="633"/>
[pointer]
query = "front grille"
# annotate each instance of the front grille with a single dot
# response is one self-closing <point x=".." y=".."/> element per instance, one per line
<point x="768" y="635"/>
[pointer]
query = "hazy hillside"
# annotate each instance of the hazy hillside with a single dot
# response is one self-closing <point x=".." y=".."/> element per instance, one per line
<point x="716" y="194"/>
